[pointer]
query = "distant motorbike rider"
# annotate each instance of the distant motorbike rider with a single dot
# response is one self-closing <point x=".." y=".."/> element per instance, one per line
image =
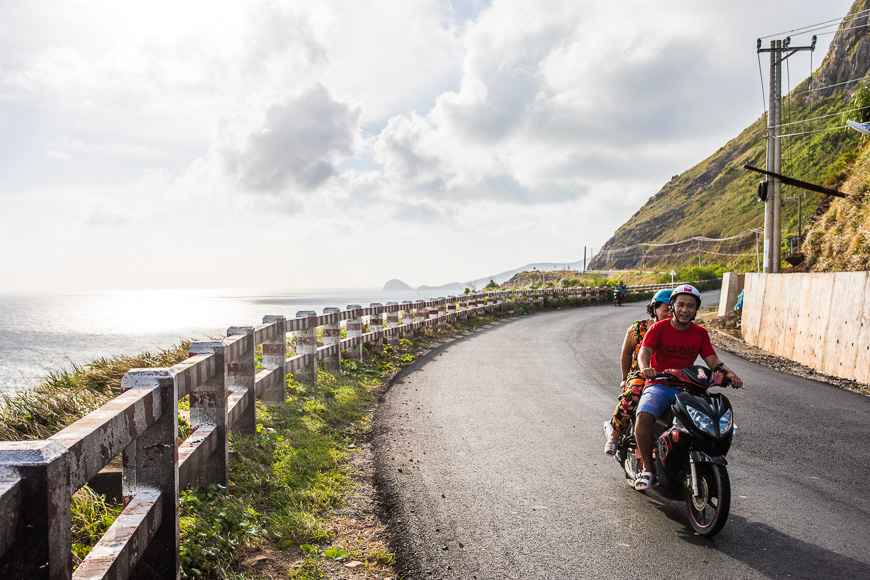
<point x="670" y="344"/>
<point x="619" y="291"/>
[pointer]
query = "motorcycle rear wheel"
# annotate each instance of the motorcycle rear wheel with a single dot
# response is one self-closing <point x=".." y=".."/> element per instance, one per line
<point x="708" y="511"/>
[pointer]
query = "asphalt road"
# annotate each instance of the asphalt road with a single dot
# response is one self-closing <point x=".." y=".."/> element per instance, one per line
<point x="489" y="453"/>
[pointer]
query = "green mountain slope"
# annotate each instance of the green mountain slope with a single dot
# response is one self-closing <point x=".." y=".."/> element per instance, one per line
<point x="716" y="198"/>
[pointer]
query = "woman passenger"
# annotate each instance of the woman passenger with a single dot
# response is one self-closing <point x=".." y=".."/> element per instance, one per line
<point x="632" y="383"/>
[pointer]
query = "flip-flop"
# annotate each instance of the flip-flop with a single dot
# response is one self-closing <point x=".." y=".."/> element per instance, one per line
<point x="644" y="480"/>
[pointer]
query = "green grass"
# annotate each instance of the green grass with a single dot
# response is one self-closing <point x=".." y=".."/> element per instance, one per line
<point x="67" y="395"/>
<point x="91" y="517"/>
<point x="283" y="481"/>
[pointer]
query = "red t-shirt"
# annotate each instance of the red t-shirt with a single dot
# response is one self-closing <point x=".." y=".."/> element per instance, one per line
<point x="676" y="349"/>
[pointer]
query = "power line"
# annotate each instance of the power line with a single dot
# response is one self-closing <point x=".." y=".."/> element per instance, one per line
<point x="724" y="254"/>
<point x="823" y="116"/>
<point x="830" y="86"/>
<point x="685" y="241"/>
<point x="807" y="29"/>
<point x="843" y="29"/>
<point x="761" y="77"/>
<point x="702" y="239"/>
<point x="808" y="132"/>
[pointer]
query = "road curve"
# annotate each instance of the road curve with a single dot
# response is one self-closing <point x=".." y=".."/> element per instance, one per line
<point x="489" y="456"/>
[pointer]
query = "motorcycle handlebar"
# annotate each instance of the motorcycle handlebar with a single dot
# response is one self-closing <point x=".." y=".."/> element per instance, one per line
<point x="669" y="377"/>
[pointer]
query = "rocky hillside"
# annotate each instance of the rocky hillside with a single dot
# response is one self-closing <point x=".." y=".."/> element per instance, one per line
<point x="840" y="239"/>
<point x="715" y="199"/>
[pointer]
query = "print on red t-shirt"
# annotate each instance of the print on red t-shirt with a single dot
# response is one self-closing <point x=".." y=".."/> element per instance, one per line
<point x="677" y="349"/>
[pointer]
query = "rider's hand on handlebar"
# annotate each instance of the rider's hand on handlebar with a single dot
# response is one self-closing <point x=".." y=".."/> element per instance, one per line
<point x="736" y="383"/>
<point x="648" y="373"/>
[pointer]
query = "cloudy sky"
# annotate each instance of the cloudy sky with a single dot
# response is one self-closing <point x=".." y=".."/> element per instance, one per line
<point x="282" y="144"/>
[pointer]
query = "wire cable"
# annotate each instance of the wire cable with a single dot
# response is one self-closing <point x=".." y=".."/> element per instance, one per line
<point x="724" y="254"/>
<point x="808" y="132"/>
<point x="832" y="86"/>
<point x="822" y="24"/>
<point x="823" y="116"/>
<point x="761" y="77"/>
<point x="843" y="29"/>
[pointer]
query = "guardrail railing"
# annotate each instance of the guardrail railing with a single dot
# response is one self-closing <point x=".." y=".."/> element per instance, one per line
<point x="39" y="478"/>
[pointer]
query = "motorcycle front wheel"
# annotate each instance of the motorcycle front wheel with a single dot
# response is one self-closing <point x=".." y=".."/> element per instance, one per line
<point x="708" y="511"/>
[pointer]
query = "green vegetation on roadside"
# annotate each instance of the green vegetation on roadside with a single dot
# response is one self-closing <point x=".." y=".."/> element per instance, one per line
<point x="283" y="481"/>
<point x="574" y="279"/>
<point x="67" y="395"/>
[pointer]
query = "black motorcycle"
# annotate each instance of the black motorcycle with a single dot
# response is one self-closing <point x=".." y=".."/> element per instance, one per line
<point x="691" y="442"/>
<point x="617" y="297"/>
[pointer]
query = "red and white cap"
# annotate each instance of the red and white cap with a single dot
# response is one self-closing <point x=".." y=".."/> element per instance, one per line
<point x="686" y="289"/>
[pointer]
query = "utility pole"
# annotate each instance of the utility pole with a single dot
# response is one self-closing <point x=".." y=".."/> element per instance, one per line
<point x="779" y="51"/>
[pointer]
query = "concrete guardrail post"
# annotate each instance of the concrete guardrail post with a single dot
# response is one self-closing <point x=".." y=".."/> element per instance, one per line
<point x="407" y="319"/>
<point x="275" y="357"/>
<point x="442" y="312"/>
<point x="432" y="312"/>
<point x="376" y="324"/>
<point x="42" y="545"/>
<point x="241" y="377"/>
<point x="463" y="308"/>
<point x="332" y="337"/>
<point x="393" y="322"/>
<point x="306" y="345"/>
<point x="151" y="460"/>
<point x="208" y="406"/>
<point x="354" y="331"/>
<point x="420" y="314"/>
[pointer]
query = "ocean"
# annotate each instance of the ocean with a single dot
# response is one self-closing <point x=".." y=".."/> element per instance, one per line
<point x="41" y="333"/>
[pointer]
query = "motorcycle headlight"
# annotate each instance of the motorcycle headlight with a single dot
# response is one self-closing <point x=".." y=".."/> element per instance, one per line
<point x="725" y="422"/>
<point x="702" y="421"/>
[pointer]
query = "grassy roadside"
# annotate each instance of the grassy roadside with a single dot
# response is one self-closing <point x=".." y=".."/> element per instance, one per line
<point x="574" y="279"/>
<point x="285" y="483"/>
<point x="285" y="513"/>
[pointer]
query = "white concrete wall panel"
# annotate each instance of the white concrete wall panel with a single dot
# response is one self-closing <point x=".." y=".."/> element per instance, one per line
<point x="770" y="322"/>
<point x="846" y="314"/>
<point x="821" y="320"/>
<point x="804" y="311"/>
<point x="753" y="298"/>
<point x="862" y="336"/>
<point x="777" y="317"/>
<point x="823" y="287"/>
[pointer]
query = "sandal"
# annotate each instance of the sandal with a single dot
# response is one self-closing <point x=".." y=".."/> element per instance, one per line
<point x="609" y="448"/>
<point x="644" y="480"/>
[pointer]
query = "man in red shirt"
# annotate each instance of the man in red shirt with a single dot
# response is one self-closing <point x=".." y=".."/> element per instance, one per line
<point x="670" y="344"/>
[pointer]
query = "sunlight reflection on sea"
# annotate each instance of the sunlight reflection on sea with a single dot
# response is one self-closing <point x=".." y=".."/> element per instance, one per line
<point x="44" y="332"/>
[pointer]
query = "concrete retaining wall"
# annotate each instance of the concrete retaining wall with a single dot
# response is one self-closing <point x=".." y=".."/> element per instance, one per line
<point x="821" y="320"/>
<point x="732" y="284"/>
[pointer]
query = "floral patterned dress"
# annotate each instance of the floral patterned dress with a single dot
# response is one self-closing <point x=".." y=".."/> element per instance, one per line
<point x="633" y="381"/>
